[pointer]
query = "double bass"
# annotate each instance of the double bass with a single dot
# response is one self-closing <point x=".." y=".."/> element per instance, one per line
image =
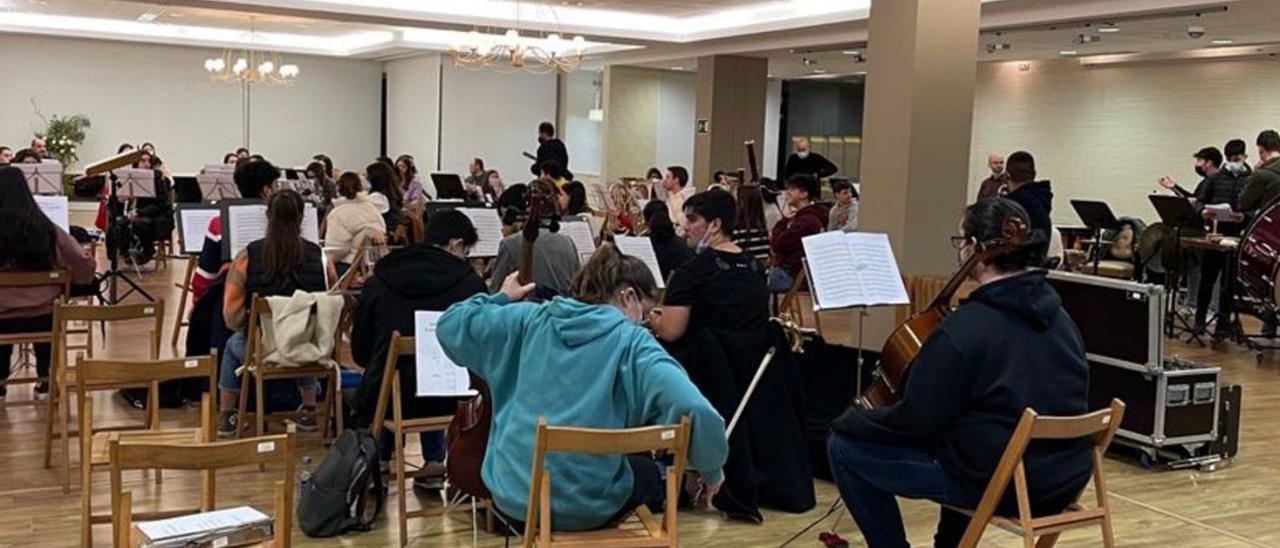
<point x="468" y="433"/>
<point x="905" y="342"/>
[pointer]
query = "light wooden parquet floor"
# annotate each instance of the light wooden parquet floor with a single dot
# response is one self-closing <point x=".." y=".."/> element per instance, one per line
<point x="1233" y="507"/>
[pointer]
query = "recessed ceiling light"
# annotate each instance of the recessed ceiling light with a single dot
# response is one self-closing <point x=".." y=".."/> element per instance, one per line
<point x="1067" y="52"/>
<point x="1108" y="27"/>
<point x="819" y="71"/>
<point x="677" y="68"/>
<point x="1223" y="42"/>
<point x="177" y="15"/>
<point x="851" y="52"/>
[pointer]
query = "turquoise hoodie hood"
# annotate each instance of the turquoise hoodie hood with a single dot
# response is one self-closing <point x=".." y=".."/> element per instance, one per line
<point x="575" y="364"/>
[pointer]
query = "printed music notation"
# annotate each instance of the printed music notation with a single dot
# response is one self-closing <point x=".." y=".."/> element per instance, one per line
<point x="851" y="269"/>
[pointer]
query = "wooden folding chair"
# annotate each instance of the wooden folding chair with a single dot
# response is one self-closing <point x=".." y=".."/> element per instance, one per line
<point x="11" y="280"/>
<point x="94" y="448"/>
<point x="1100" y="426"/>
<point x="258" y="371"/>
<point x="207" y="457"/>
<point x="791" y="301"/>
<point x="64" y="382"/>
<point x="389" y="395"/>
<point x="673" y="438"/>
<point x="180" y="321"/>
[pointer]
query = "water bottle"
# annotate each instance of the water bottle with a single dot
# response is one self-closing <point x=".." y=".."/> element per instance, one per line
<point x="304" y="477"/>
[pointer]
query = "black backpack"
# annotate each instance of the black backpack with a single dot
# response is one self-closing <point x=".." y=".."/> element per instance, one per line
<point x="337" y="496"/>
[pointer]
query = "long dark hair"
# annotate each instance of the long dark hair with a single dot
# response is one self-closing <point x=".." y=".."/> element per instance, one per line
<point x="410" y="170"/>
<point x="577" y="198"/>
<point x="383" y="178"/>
<point x="750" y="208"/>
<point x="661" y="229"/>
<point x="28" y="239"/>
<point x="283" y="251"/>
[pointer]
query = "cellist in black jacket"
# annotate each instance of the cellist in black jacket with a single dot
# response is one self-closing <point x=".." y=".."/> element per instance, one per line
<point x="1009" y="347"/>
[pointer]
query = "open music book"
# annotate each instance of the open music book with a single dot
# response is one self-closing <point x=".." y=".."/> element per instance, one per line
<point x="488" y="227"/>
<point x="193" y="223"/>
<point x="437" y="374"/>
<point x="582" y="236"/>
<point x="246" y="221"/>
<point x="641" y="248"/>
<point x="56" y="209"/>
<point x="849" y="269"/>
<point x="218" y="528"/>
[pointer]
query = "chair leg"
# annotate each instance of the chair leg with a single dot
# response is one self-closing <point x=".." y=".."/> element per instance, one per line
<point x="1048" y="541"/>
<point x="64" y="427"/>
<point x="51" y="410"/>
<point x="259" y="406"/>
<point x="86" y="477"/>
<point x="337" y="403"/>
<point x="243" y="405"/>
<point x="400" y="488"/>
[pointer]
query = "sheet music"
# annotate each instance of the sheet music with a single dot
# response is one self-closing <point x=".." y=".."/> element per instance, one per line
<point x="437" y="374"/>
<point x="1220" y="212"/>
<point x="853" y="269"/>
<point x="56" y="209"/>
<point x="583" y="238"/>
<point x="202" y="523"/>
<point x="135" y="183"/>
<point x="641" y="248"/>
<point x="247" y="222"/>
<point x="488" y="226"/>
<point x="192" y="226"/>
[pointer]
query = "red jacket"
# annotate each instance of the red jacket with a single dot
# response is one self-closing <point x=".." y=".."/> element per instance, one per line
<point x="785" y="243"/>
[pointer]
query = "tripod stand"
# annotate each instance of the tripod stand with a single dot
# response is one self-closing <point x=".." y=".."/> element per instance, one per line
<point x="108" y="282"/>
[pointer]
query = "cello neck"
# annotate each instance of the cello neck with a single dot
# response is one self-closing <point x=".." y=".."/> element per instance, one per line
<point x="943" y="300"/>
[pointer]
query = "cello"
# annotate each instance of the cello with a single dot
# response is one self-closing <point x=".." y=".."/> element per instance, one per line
<point x="902" y="346"/>
<point x="468" y="433"/>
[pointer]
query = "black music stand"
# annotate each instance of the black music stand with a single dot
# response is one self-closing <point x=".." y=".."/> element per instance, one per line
<point x="1177" y="212"/>
<point x="1097" y="216"/>
<point x="448" y="186"/>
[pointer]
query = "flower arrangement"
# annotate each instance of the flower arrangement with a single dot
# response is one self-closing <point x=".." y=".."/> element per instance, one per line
<point x="64" y="135"/>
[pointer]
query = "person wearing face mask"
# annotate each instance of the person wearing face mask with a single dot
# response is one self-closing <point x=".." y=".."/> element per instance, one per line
<point x="583" y="360"/>
<point x="715" y="321"/>
<point x="805" y="162"/>
<point x="1237" y="159"/>
<point x="994" y="185"/>
<point x="428" y="276"/>
<point x="1008" y="348"/>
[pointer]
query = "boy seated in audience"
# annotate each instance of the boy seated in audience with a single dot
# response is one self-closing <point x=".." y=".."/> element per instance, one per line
<point x="844" y="215"/>
<point x="429" y="276"/>
<point x="785" y="242"/>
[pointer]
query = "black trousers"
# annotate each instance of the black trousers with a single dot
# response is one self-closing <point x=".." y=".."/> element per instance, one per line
<point x="44" y="351"/>
<point x="648" y="489"/>
<point x="1212" y="265"/>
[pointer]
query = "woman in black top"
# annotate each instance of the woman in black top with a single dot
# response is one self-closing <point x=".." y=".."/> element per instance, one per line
<point x="670" y="249"/>
<point x="385" y="192"/>
<point x="715" y="319"/>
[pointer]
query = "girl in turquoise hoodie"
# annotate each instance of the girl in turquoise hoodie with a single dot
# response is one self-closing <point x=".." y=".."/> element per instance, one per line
<point x="587" y="362"/>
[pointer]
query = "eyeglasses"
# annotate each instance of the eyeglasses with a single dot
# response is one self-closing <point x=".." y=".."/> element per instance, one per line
<point x="959" y="242"/>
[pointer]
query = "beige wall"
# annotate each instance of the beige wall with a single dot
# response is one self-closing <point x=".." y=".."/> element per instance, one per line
<point x="648" y="120"/>
<point x="1110" y="133"/>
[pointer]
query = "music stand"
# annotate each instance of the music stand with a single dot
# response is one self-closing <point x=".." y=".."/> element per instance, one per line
<point x="44" y="178"/>
<point x="448" y="186"/>
<point x="113" y="275"/>
<point x="1097" y="216"/>
<point x="135" y="183"/>
<point x="216" y="186"/>
<point x="1177" y="212"/>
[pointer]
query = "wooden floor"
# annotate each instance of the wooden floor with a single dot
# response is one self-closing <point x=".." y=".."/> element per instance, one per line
<point x="1234" y="506"/>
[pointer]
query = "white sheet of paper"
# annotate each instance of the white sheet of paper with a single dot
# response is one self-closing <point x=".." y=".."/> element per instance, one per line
<point x="42" y="178"/>
<point x="437" y="374"/>
<point x="488" y="227"/>
<point x="56" y="209"/>
<point x="200" y="523"/>
<point x="193" y="224"/>
<point x="1220" y="212"/>
<point x="641" y="248"/>
<point x="135" y="183"/>
<point x="853" y="269"/>
<point x="583" y="239"/>
<point x="248" y="222"/>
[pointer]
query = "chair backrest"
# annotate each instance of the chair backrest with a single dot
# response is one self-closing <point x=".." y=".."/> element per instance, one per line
<point x="279" y="450"/>
<point x="398" y="347"/>
<point x="36" y="279"/>
<point x="64" y="314"/>
<point x="353" y="271"/>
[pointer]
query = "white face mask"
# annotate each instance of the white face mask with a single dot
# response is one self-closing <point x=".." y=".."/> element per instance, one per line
<point x="802" y="154"/>
<point x="633" y="312"/>
<point x="997" y="170"/>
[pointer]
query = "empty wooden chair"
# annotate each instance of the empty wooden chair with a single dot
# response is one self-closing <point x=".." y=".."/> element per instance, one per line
<point x="14" y="281"/>
<point x="94" y="448"/>
<point x="63" y="372"/>
<point x="1100" y="426"/>
<point x="208" y="457"/>
<point x="257" y="371"/>
<point x="672" y="438"/>
<point x="389" y="394"/>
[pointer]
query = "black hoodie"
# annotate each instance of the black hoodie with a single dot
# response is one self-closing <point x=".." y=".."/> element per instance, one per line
<point x="1037" y="198"/>
<point x="420" y="277"/>
<point x="1009" y="347"/>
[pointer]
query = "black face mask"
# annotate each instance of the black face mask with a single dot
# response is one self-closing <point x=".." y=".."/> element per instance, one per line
<point x="541" y="139"/>
<point x="1200" y="171"/>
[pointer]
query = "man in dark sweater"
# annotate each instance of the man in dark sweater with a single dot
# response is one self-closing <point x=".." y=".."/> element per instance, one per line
<point x="804" y="162"/>
<point x="550" y="148"/>
<point x="428" y="276"/>
<point x="1009" y="348"/>
<point x="1036" y="197"/>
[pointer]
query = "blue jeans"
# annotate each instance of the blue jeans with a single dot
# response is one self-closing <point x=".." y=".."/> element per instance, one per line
<point x="433" y="446"/>
<point x="869" y="476"/>
<point x="233" y="356"/>
<point x="779" y="280"/>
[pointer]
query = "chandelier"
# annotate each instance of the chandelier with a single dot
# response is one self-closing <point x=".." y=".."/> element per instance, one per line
<point x="254" y="67"/>
<point x="248" y="65"/>
<point x="514" y="51"/>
